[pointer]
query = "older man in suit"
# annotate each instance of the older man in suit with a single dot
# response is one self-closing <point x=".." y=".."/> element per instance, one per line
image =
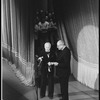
<point x="47" y="70"/>
<point x="63" y="68"/>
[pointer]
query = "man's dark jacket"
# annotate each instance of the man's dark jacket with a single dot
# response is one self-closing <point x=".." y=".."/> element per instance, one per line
<point x="44" y="67"/>
<point x="63" y="58"/>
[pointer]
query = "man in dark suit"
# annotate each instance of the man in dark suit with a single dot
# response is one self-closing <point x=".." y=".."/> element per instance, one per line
<point x="63" y="68"/>
<point x="47" y="71"/>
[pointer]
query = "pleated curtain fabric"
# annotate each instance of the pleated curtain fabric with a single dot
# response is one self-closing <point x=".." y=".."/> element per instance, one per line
<point x="78" y="27"/>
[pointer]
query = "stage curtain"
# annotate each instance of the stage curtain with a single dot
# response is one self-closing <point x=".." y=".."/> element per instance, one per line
<point x="78" y="26"/>
<point x="17" y="43"/>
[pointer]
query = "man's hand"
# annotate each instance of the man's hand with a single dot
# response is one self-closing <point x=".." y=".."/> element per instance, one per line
<point x="49" y="63"/>
<point x="40" y="58"/>
<point x="55" y="63"/>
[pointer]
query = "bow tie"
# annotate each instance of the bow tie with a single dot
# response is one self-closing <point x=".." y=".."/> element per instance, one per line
<point x="47" y="52"/>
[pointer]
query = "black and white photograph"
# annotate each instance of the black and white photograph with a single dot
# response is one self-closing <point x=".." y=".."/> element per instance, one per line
<point x="49" y="49"/>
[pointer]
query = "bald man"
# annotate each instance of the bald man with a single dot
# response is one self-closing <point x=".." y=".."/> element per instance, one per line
<point x="63" y="68"/>
<point x="47" y="71"/>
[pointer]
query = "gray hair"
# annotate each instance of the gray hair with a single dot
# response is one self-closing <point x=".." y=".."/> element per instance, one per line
<point x="60" y="42"/>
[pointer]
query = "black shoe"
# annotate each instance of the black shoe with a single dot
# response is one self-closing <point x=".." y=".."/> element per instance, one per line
<point x="59" y="95"/>
<point x="42" y="96"/>
<point x="50" y="97"/>
<point x="63" y="99"/>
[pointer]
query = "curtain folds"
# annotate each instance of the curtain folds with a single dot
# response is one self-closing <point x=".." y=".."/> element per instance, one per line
<point x="78" y="26"/>
<point x="61" y="33"/>
<point x="16" y="38"/>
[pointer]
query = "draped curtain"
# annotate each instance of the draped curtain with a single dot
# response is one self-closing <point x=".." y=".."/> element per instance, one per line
<point x="18" y="38"/>
<point x="78" y="26"/>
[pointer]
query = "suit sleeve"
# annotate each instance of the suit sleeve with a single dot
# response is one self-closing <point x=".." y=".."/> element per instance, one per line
<point x="65" y="60"/>
<point x="41" y="53"/>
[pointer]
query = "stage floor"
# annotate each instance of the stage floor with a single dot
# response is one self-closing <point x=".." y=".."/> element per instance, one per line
<point x="77" y="91"/>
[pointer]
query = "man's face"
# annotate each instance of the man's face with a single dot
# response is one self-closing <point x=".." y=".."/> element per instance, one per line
<point x="59" y="46"/>
<point x="47" y="47"/>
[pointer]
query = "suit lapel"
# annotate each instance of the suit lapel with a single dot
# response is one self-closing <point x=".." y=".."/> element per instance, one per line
<point x="60" y="54"/>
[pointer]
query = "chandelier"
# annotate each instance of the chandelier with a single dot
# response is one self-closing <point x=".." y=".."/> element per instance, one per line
<point x="44" y="21"/>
